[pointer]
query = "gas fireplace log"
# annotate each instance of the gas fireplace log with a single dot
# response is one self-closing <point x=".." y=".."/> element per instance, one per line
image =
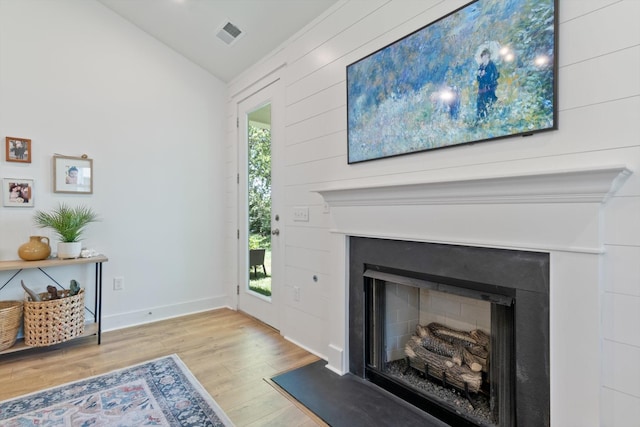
<point x="481" y="337"/>
<point x="475" y="363"/>
<point x="451" y="335"/>
<point x="422" y="331"/>
<point x="458" y="353"/>
<point x="440" y="366"/>
<point x="478" y="351"/>
<point x="439" y="346"/>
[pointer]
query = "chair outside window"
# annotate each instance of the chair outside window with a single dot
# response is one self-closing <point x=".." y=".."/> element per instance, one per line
<point x="256" y="259"/>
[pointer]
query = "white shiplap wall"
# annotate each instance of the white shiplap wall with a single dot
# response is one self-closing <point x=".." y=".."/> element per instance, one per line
<point x="599" y="110"/>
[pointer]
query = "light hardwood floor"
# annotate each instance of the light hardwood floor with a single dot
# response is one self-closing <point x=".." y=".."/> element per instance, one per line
<point x="229" y="352"/>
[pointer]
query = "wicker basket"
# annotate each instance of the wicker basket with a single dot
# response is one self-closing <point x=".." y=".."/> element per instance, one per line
<point x="10" y="318"/>
<point x="54" y="321"/>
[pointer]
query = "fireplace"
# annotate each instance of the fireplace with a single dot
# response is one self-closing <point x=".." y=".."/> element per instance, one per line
<point x="396" y="285"/>
<point x="555" y="214"/>
<point x="443" y="365"/>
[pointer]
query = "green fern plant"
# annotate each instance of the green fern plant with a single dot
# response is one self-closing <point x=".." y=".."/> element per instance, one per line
<point x="68" y="223"/>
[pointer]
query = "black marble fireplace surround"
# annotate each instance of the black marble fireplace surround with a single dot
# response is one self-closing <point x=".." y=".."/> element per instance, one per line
<point x="523" y="276"/>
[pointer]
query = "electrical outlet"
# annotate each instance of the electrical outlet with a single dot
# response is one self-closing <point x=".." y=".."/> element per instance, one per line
<point x="296" y="293"/>
<point x="118" y="283"/>
<point x="301" y="214"/>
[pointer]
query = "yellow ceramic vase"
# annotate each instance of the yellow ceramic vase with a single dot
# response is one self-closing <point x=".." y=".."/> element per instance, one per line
<point x="35" y="249"/>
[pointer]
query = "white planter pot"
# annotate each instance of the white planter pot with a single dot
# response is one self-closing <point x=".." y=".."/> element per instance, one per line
<point x="68" y="250"/>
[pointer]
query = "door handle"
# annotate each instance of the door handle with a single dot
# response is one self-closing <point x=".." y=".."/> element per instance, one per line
<point x="275" y="232"/>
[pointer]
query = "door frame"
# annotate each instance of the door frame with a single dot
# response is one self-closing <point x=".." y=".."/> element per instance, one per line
<point x="264" y="309"/>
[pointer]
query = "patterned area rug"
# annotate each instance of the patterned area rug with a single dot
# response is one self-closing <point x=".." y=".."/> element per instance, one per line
<point x="160" y="392"/>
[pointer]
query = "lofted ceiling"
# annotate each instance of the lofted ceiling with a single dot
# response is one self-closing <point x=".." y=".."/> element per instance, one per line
<point x="190" y="27"/>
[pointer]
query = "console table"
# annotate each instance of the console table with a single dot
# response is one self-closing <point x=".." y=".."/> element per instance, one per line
<point x="19" y="265"/>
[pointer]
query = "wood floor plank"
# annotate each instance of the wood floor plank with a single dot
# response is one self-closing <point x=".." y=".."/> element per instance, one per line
<point x="288" y="416"/>
<point x="261" y="406"/>
<point x="229" y="352"/>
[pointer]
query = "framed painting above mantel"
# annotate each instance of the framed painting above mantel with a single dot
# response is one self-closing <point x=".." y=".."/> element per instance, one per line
<point x="487" y="70"/>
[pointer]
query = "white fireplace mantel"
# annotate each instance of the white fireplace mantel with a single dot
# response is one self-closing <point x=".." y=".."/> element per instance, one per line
<point x="587" y="185"/>
<point x="553" y="211"/>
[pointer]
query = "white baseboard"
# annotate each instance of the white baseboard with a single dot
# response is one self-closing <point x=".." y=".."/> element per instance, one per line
<point x="154" y="314"/>
<point x="337" y="363"/>
<point x="321" y="356"/>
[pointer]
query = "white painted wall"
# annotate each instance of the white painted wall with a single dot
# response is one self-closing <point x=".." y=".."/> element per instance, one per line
<point x="76" y="78"/>
<point x="599" y="106"/>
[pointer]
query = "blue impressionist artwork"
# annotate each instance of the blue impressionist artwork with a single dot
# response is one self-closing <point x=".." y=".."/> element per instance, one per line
<point x="485" y="71"/>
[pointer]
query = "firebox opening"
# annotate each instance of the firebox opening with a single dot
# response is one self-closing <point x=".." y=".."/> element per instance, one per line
<point x="444" y="348"/>
<point x="508" y="291"/>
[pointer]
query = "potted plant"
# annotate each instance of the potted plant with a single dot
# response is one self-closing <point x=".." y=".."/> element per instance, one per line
<point x="69" y="224"/>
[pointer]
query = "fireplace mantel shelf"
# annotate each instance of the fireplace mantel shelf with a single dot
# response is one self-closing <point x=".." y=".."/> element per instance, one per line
<point x="587" y="185"/>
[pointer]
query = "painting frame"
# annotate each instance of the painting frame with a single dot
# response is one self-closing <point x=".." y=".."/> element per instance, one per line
<point x="72" y="175"/>
<point x="18" y="192"/>
<point x="17" y="149"/>
<point x="485" y="71"/>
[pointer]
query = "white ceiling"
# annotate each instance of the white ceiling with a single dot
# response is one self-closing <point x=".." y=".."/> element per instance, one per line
<point x="190" y="27"/>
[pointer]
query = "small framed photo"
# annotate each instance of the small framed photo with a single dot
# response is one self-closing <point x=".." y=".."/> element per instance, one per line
<point x="17" y="192"/>
<point x="72" y="175"/>
<point x="18" y="150"/>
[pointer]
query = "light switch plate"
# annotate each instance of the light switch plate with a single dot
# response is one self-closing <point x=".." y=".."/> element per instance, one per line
<point x="301" y="214"/>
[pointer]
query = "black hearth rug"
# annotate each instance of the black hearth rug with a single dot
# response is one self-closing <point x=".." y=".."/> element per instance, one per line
<point x="348" y="400"/>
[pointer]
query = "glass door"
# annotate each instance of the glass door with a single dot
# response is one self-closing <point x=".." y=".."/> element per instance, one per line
<point x="259" y="222"/>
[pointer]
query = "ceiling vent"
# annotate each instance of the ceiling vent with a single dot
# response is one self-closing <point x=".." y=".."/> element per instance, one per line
<point x="229" y="33"/>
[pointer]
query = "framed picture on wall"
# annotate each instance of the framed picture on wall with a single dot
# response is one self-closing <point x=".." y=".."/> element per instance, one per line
<point x="17" y="192"/>
<point x="72" y="175"/>
<point x="18" y="150"/>
<point x="485" y="71"/>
